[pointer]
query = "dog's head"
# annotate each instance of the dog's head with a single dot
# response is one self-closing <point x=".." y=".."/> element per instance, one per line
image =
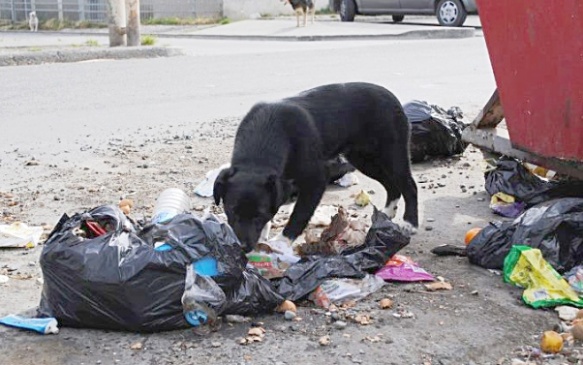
<point x="250" y="200"/>
<point x="33" y="14"/>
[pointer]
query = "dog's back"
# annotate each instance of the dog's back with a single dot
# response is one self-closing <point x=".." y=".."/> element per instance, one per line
<point x="301" y="4"/>
<point x="349" y="113"/>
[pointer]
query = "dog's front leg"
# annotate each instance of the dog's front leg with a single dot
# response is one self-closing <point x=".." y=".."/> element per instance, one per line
<point x="309" y="197"/>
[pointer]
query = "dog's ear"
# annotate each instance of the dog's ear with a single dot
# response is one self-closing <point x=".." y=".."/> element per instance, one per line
<point x="280" y="190"/>
<point x="220" y="186"/>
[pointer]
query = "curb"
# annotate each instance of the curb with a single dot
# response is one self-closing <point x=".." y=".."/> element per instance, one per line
<point x="410" y="35"/>
<point x="72" y="55"/>
<point x="445" y="33"/>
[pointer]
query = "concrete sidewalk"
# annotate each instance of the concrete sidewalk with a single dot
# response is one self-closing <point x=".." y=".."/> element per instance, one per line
<point x="72" y="45"/>
<point x="325" y="28"/>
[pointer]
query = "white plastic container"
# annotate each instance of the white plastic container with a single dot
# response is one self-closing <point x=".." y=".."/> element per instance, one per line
<point x="170" y="202"/>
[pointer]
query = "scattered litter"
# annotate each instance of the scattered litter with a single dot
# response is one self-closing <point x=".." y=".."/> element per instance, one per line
<point x="440" y="285"/>
<point x="402" y="268"/>
<point x="449" y="250"/>
<point x="4" y="279"/>
<point x="386" y="303"/>
<point x="555" y="227"/>
<point x="567" y="313"/>
<point x="235" y="318"/>
<point x="347" y="180"/>
<point x="324" y="341"/>
<point x="340" y="325"/>
<point x="509" y="176"/>
<point x="126" y="206"/>
<point x="383" y="240"/>
<point x="544" y="287"/>
<point x="403" y="314"/>
<point x="205" y="187"/>
<point x="362" y="319"/>
<point x="19" y="235"/>
<point x="255" y="334"/>
<point x="362" y="199"/>
<point x="577" y="331"/>
<point x="41" y="325"/>
<point x="575" y="278"/>
<point x="506" y="206"/>
<point x="434" y="131"/>
<point x="137" y="346"/>
<point x="122" y="265"/>
<point x="323" y="216"/>
<point x="551" y="342"/>
<point x="286" y="306"/>
<point x="342" y="233"/>
<point x="337" y="291"/>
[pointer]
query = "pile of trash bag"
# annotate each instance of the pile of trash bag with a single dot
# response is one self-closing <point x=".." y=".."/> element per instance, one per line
<point x="509" y="176"/>
<point x="102" y="270"/>
<point x="434" y="131"/>
<point x="383" y="240"/>
<point x="555" y="227"/>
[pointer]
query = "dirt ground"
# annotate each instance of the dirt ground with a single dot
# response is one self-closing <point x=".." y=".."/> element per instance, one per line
<point x="481" y="321"/>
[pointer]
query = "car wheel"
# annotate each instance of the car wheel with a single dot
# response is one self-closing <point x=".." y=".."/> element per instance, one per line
<point x="398" y="18"/>
<point x="347" y="10"/>
<point x="451" y="13"/>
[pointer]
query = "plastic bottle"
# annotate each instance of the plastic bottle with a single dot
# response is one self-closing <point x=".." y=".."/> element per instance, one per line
<point x="170" y="202"/>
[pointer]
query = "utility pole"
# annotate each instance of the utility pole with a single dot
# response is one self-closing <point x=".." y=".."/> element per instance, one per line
<point x="117" y="22"/>
<point x="133" y="29"/>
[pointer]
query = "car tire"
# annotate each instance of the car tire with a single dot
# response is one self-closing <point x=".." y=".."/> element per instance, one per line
<point x="451" y="13"/>
<point x="347" y="10"/>
<point x="398" y="18"/>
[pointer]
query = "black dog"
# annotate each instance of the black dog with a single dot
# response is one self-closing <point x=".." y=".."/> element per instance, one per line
<point x="288" y="143"/>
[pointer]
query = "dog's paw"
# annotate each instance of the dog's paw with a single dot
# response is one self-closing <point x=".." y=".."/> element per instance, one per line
<point x="408" y="228"/>
<point x="391" y="209"/>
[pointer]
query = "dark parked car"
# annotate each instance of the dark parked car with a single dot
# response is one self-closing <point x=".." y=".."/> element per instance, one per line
<point x="449" y="12"/>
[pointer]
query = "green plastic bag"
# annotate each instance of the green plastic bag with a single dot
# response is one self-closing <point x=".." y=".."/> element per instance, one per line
<point x="525" y="266"/>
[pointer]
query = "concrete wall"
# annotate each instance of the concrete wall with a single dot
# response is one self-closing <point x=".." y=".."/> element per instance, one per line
<point x="242" y="9"/>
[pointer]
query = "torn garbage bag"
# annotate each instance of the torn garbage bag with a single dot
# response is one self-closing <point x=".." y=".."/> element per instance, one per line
<point x="434" y="131"/>
<point x="382" y="241"/>
<point x="102" y="272"/>
<point x="511" y="177"/>
<point x="555" y="227"/>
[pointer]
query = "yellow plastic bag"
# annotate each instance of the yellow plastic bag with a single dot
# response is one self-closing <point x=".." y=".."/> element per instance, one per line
<point x="525" y="266"/>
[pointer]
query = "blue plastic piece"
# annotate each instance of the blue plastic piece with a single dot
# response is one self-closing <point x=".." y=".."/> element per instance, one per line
<point x="207" y="266"/>
<point x="196" y="318"/>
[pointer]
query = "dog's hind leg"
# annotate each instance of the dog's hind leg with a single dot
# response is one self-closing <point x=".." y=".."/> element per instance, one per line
<point x="396" y="180"/>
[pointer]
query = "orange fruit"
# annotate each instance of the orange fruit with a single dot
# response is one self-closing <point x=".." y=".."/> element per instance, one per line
<point x="471" y="234"/>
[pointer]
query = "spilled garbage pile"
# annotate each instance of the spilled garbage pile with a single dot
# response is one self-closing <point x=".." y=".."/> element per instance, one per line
<point x="103" y="269"/>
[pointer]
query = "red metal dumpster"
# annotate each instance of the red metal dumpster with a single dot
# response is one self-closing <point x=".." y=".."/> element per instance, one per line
<point x="536" y="51"/>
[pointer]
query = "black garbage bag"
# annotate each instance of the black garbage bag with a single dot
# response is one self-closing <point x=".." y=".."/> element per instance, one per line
<point x="383" y="240"/>
<point x="555" y="227"/>
<point x="434" y="131"/>
<point x="512" y="178"/>
<point x="117" y="280"/>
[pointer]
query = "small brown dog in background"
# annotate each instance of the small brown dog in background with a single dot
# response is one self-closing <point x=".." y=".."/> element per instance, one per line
<point x="302" y="7"/>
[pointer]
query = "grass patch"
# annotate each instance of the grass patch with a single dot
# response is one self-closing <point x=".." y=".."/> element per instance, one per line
<point x="326" y="11"/>
<point x="184" y="21"/>
<point x="52" y="24"/>
<point x="91" y="43"/>
<point x="35" y="49"/>
<point x="148" y="40"/>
